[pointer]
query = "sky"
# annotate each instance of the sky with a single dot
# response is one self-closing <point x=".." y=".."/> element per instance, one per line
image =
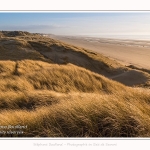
<point x="78" y="23"/>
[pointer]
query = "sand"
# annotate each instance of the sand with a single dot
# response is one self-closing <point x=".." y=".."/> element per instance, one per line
<point x="127" y="52"/>
<point x="132" y="78"/>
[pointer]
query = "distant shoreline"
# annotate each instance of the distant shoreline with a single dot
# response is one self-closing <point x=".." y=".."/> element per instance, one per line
<point x="110" y="37"/>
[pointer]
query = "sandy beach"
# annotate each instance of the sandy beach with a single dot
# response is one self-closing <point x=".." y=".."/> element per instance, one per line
<point x="127" y="52"/>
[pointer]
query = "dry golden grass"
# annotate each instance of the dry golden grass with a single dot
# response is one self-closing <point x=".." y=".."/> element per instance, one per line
<point x="69" y="101"/>
<point x="18" y="49"/>
<point x="83" y="115"/>
<point x="31" y="75"/>
<point x="56" y="98"/>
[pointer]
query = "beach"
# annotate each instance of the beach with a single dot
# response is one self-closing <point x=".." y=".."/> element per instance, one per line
<point x="126" y="51"/>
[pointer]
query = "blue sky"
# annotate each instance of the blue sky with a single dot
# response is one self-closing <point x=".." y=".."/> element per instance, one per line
<point x="78" y="23"/>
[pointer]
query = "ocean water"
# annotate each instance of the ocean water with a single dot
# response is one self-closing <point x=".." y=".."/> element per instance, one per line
<point x="123" y="37"/>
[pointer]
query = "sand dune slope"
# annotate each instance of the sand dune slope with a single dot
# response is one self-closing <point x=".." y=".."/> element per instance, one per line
<point x="127" y="52"/>
<point x="132" y="78"/>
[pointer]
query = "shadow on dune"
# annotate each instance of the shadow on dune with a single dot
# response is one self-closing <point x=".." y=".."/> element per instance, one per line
<point x="55" y="52"/>
<point x="61" y="54"/>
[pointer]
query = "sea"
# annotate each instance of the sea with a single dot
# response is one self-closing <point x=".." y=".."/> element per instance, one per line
<point x="122" y="37"/>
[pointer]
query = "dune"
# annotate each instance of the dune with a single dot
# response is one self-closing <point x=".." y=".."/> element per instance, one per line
<point x="132" y="78"/>
<point x="127" y="52"/>
<point x="55" y="89"/>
